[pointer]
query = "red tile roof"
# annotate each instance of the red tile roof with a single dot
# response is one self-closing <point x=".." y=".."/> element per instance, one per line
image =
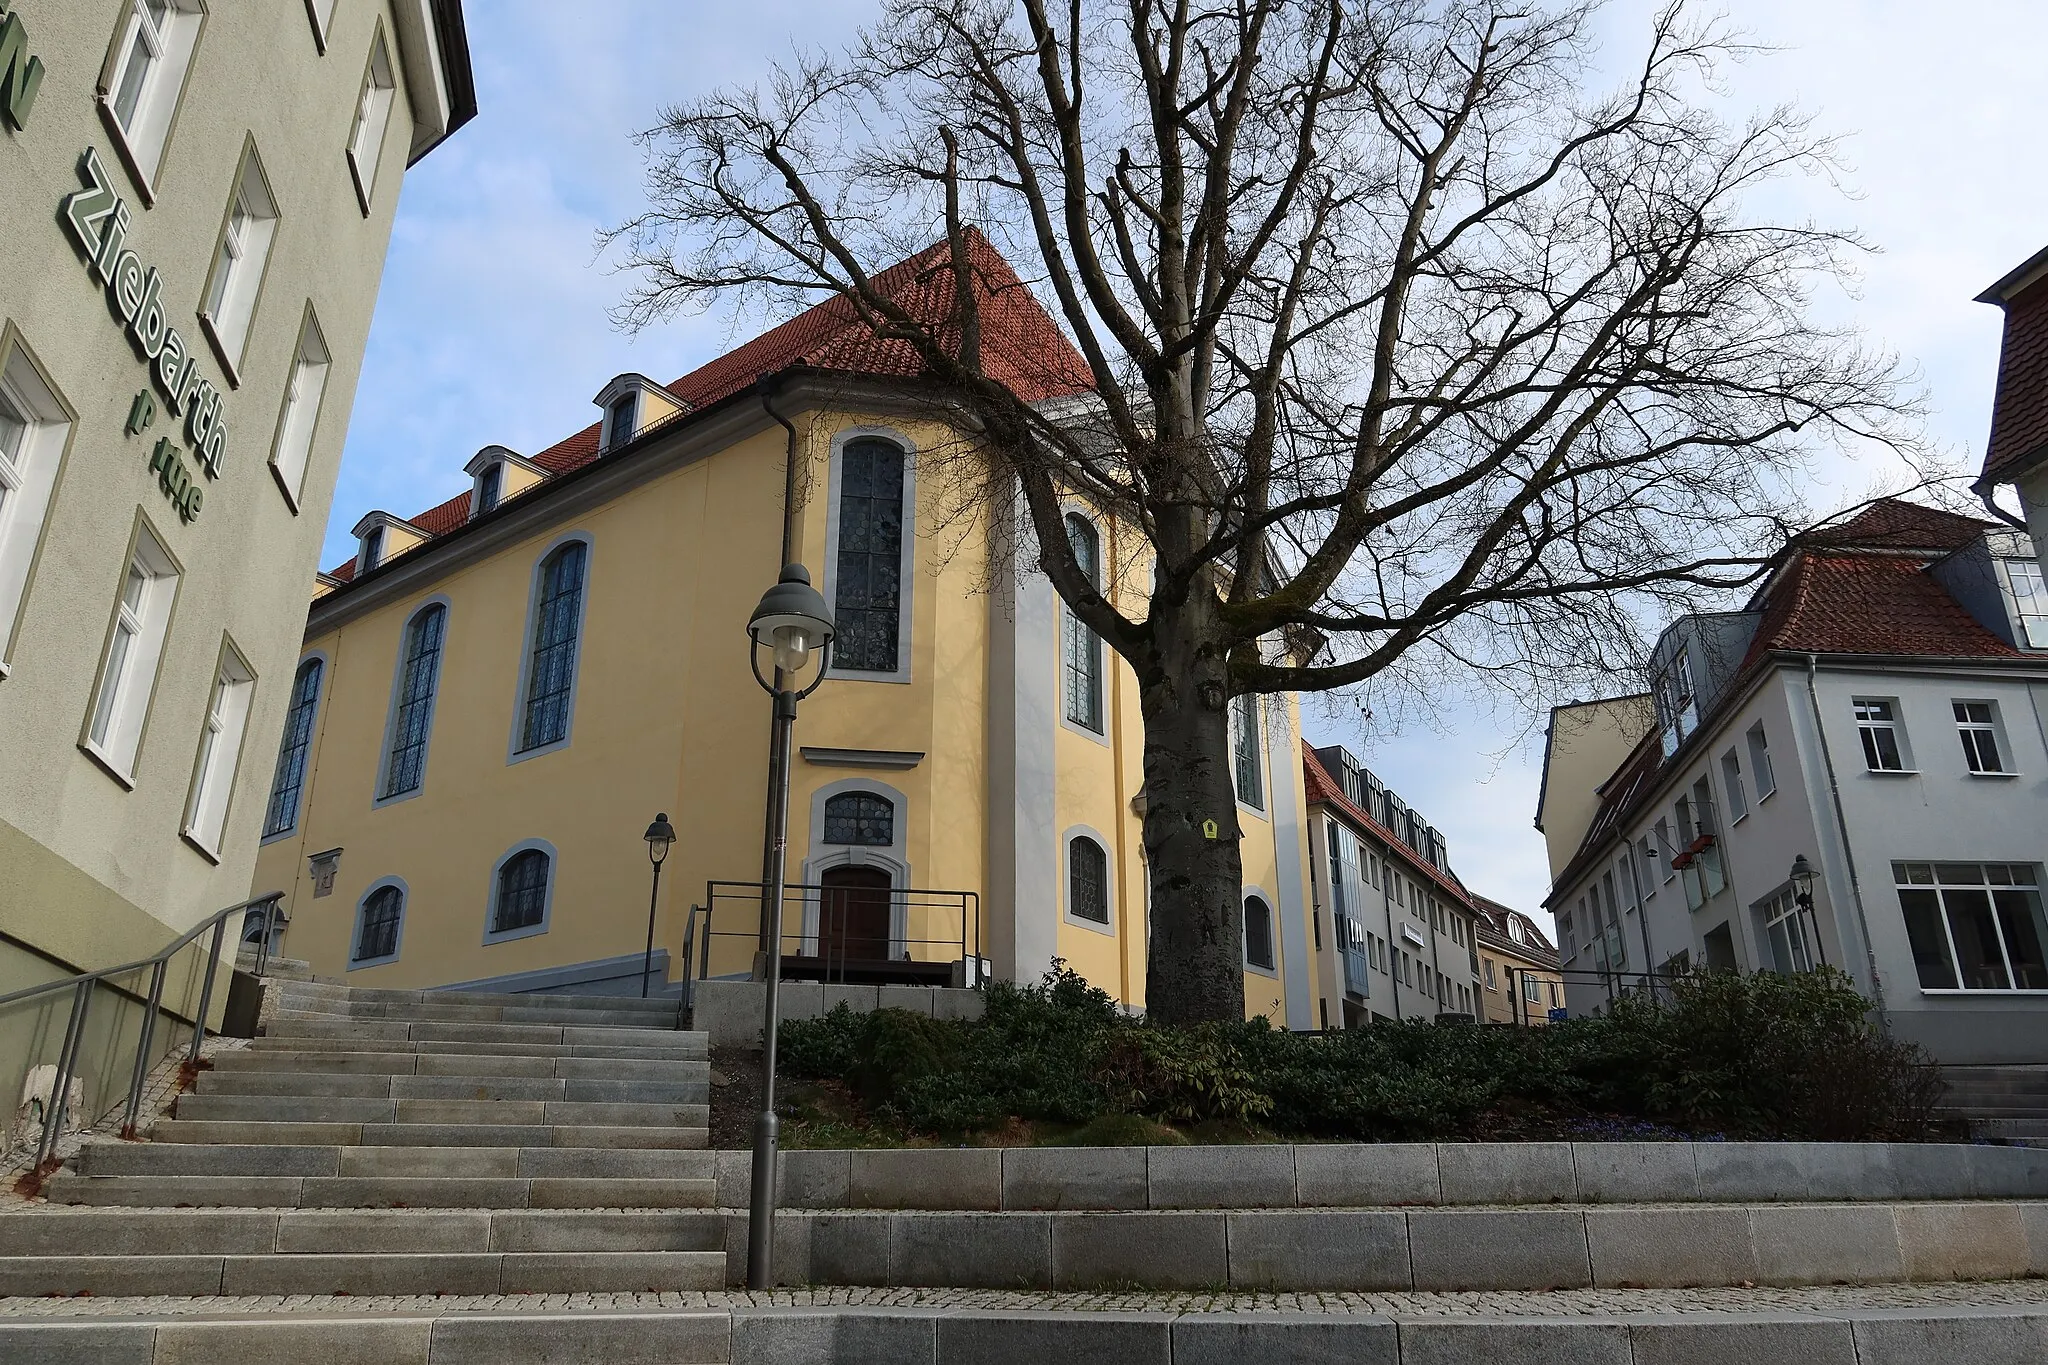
<point x="1869" y="604"/>
<point x="1021" y="348"/>
<point x="2019" y="411"/>
<point x="1325" y="790"/>
<point x="1895" y="524"/>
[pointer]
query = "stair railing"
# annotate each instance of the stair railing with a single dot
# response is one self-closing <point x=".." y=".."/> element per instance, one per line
<point x="83" y="987"/>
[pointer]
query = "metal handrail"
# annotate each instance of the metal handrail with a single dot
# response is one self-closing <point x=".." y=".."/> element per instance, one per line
<point x="83" y="985"/>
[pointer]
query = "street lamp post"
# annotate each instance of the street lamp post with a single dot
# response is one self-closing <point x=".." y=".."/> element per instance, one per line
<point x="659" y="836"/>
<point x="791" y="622"/>
<point x="1802" y="895"/>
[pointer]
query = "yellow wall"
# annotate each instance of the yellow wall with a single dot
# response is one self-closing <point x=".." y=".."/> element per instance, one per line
<point x="668" y="718"/>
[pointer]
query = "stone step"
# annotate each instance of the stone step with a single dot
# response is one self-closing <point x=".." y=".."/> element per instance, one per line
<point x="458" y="1013"/>
<point x="244" y="1232"/>
<point x="159" y="1159"/>
<point x="1824" y="1329"/>
<point x="457" y="1087"/>
<point x="541" y="1272"/>
<point x="426" y="1134"/>
<point x="392" y="1030"/>
<point x="687" y="1048"/>
<point x="379" y="1192"/>
<point x="1440" y="1250"/>
<point x="316" y="1109"/>
<point x="323" y="992"/>
<point x="250" y="1060"/>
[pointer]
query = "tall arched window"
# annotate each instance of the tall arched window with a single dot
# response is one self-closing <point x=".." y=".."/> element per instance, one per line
<point x="1087" y="880"/>
<point x="412" y="719"/>
<point x="1082" y="650"/>
<point x="1258" y="933"/>
<point x="377" y="924"/>
<point x="867" y="574"/>
<point x="1244" y="738"/>
<point x="290" y="778"/>
<point x="860" y="818"/>
<point x="551" y="655"/>
<point x="521" y="901"/>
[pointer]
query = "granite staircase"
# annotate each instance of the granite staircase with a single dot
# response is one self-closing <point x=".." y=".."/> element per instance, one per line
<point x="2005" y="1103"/>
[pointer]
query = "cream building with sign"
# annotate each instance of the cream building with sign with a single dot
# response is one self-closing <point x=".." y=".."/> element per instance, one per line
<point x="198" y="199"/>
<point x="497" y="695"/>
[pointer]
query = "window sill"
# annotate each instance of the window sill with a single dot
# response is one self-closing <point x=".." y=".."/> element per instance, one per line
<point x="290" y="499"/>
<point x="279" y="837"/>
<point x="130" y="162"/>
<point x="229" y="369"/>
<point x="1981" y="992"/>
<point x="1092" y="926"/>
<point x="355" y="175"/>
<point x="1994" y="776"/>
<point x="1738" y="820"/>
<point x="211" y="855"/>
<point x="1891" y="772"/>
<point x="1762" y="797"/>
<point x="396" y="797"/>
<point x="373" y="962"/>
<point x="1072" y="726"/>
<point x="509" y="935"/>
<point x="107" y="765"/>
<point x="1270" y="973"/>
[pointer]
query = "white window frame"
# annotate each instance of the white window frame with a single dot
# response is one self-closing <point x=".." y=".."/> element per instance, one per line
<point x="240" y="259"/>
<point x="1782" y="908"/>
<point x="1075" y="632"/>
<point x="1931" y="880"/>
<point x="146" y="130"/>
<point x="1877" y="716"/>
<point x="320" y="13"/>
<point x="372" y="121"/>
<point x="1109" y="874"/>
<point x="1977" y="735"/>
<point x="2028" y="583"/>
<point x="626" y="406"/>
<point x="118" y="711"/>
<point x="1245" y="722"/>
<point x="28" y="480"/>
<point x="1761" y="773"/>
<point x="219" y="760"/>
<point x="1731" y="778"/>
<point x="298" y="421"/>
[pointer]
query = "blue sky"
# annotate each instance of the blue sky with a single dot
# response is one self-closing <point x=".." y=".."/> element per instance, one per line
<point x="492" y="326"/>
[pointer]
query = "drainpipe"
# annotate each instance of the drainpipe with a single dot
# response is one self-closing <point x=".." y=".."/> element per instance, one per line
<point x="765" y="386"/>
<point x="1848" y="853"/>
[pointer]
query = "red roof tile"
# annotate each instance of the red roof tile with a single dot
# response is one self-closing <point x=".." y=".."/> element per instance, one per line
<point x="1325" y="790"/>
<point x="1021" y="347"/>
<point x="1895" y="524"/>
<point x="1869" y="604"/>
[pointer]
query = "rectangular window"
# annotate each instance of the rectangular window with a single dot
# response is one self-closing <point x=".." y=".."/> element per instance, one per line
<point x="1244" y="736"/>
<point x="1663" y="856"/>
<point x="1974" y="926"/>
<point x="289" y="780"/>
<point x="33" y="429"/>
<point x="550" y="684"/>
<point x="373" y="116"/>
<point x="153" y="51"/>
<point x="1785" y="932"/>
<point x="1492" y="983"/>
<point x="2030" y="599"/>
<point x="238" y="262"/>
<point x="1878" y="726"/>
<point x="321" y="12"/>
<point x="1082" y="649"/>
<point x="1532" y="989"/>
<point x="295" y="425"/>
<point x="220" y="749"/>
<point x="1760" y="762"/>
<point x="1977" y="723"/>
<point x="135" y="643"/>
<point x="1649" y="861"/>
<point x="1675" y="702"/>
<point x="1731" y="778"/>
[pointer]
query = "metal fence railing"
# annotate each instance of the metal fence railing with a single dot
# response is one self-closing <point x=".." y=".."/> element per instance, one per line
<point x="73" y="1049"/>
<point x="841" y="933"/>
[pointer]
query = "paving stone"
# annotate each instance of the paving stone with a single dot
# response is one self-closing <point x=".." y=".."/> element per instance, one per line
<point x="847" y="1248"/>
<point x="1825" y="1244"/>
<point x="810" y="1180"/>
<point x="1153" y="1250"/>
<point x="927" y="1178"/>
<point x="995" y="1338"/>
<point x="1961" y="1241"/>
<point x="1634" y="1172"/>
<point x="1504" y="1249"/>
<point x="1074" y="1177"/>
<point x="1580" y="1341"/>
<point x="1314" y="1249"/>
<point x="1962" y="1336"/>
<point x="1730" y="1339"/>
<point x="1506" y="1172"/>
<point x="1749" y="1172"/>
<point x="609" y="1339"/>
<point x="1669" y="1248"/>
<point x="1345" y="1175"/>
<point x="1285" y="1339"/>
<point x="974" y="1250"/>
<point x="78" y="1343"/>
<point x="356" y="1341"/>
<point x="1246" y="1177"/>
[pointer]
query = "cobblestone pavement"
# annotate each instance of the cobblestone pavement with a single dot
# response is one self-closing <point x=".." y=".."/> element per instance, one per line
<point x="1551" y="1304"/>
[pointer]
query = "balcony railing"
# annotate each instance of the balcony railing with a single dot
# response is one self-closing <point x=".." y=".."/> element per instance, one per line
<point x="851" y="934"/>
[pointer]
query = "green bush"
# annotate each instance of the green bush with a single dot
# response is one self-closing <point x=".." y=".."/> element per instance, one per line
<point x="1759" y="1056"/>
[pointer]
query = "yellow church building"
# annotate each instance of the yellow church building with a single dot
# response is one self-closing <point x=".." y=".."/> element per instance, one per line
<point x="498" y="694"/>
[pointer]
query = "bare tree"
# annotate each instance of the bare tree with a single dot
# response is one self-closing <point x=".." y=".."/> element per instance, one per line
<point x="1403" y="346"/>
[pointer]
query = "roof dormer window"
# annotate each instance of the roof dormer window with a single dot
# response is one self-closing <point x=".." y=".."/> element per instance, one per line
<point x="633" y="404"/>
<point x="490" y="487"/>
<point x="382" y="537"/>
<point x="498" y="474"/>
<point x="373" y="550"/>
<point x="619" y="420"/>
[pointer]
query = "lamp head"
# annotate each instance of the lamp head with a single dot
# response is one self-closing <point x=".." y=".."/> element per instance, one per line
<point x="659" y="836"/>
<point x="792" y="619"/>
<point x="1802" y="880"/>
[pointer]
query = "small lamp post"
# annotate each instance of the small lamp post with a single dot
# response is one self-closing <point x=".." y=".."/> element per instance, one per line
<point x="1801" y="877"/>
<point x="660" y="835"/>
<point x="792" y="623"/>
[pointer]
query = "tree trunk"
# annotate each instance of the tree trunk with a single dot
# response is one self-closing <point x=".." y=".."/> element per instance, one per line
<point x="1195" y="960"/>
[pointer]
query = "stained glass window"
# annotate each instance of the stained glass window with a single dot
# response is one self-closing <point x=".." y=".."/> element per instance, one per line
<point x="867" y="586"/>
